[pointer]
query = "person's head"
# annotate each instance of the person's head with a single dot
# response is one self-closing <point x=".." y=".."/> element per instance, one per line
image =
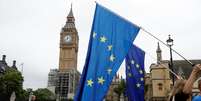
<point x="199" y="84"/>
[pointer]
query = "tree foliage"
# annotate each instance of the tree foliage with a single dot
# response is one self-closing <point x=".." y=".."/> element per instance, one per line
<point x="43" y="94"/>
<point x="11" y="81"/>
<point x="120" y="89"/>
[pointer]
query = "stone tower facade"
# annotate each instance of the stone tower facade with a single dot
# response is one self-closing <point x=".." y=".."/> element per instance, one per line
<point x="68" y="44"/>
<point x="68" y="76"/>
<point x="161" y="82"/>
<point x="160" y="85"/>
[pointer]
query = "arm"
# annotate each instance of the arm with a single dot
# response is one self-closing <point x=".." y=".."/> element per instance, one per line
<point x="193" y="77"/>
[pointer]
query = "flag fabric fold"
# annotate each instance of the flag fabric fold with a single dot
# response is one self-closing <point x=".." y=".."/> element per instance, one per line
<point x="135" y="74"/>
<point x="110" y="39"/>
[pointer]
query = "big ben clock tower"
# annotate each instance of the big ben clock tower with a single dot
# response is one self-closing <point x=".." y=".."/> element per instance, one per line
<point x="68" y="44"/>
<point x="68" y="76"/>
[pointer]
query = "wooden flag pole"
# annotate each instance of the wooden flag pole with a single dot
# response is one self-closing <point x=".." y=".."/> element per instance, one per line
<point x="167" y="46"/>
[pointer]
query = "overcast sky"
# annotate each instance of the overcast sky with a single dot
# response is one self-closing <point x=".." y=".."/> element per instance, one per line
<point x="30" y="30"/>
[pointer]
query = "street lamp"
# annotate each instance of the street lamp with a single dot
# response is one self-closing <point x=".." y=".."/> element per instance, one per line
<point x="170" y="44"/>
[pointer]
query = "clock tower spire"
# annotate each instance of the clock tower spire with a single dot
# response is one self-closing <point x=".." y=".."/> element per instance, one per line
<point x="70" y="23"/>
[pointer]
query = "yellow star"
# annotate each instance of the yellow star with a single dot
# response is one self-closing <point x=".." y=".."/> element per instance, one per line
<point x="101" y="80"/>
<point x="141" y="72"/>
<point x="94" y="34"/>
<point x="128" y="67"/>
<point x="138" y="85"/>
<point x="129" y="74"/>
<point x="109" y="70"/>
<point x="90" y="82"/>
<point x="103" y="39"/>
<point x="109" y="47"/>
<point x="112" y="57"/>
<point x="132" y="61"/>
<point x="142" y="79"/>
<point x="137" y="65"/>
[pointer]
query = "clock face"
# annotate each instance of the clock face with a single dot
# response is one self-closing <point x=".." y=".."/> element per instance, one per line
<point x="67" y="39"/>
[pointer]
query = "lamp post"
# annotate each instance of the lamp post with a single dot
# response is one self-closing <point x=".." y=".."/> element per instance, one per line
<point x="170" y="44"/>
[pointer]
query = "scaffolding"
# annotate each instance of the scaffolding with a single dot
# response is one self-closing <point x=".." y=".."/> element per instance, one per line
<point x="66" y="84"/>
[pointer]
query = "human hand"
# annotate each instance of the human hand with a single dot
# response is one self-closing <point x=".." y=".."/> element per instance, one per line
<point x="197" y="68"/>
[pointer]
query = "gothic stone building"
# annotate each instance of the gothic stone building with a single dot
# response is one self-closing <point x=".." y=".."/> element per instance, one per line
<point x="158" y="82"/>
<point x="111" y="95"/>
<point x="4" y="66"/>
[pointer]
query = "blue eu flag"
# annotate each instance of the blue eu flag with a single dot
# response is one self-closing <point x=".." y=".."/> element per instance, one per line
<point x="110" y="39"/>
<point x="135" y="74"/>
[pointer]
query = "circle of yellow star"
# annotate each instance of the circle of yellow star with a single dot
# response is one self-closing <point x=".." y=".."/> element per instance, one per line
<point x="103" y="39"/>
<point x="90" y="82"/>
<point x="109" y="70"/>
<point x="132" y="61"/>
<point x="137" y="65"/>
<point x="101" y="80"/>
<point x="138" y="85"/>
<point x="128" y="67"/>
<point x="129" y="74"/>
<point x="141" y="72"/>
<point x="109" y="47"/>
<point x="142" y="79"/>
<point x="94" y="34"/>
<point x="112" y="57"/>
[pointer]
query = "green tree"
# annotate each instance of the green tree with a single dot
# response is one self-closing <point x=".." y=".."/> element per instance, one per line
<point x="120" y="89"/>
<point x="69" y="99"/>
<point x="43" y="94"/>
<point x="22" y="96"/>
<point x="11" y="81"/>
<point x="146" y="88"/>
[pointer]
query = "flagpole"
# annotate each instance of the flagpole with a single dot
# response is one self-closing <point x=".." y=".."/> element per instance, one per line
<point x="167" y="46"/>
<point x="178" y="77"/>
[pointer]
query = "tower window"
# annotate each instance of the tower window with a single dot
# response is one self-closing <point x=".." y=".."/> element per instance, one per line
<point x="160" y="86"/>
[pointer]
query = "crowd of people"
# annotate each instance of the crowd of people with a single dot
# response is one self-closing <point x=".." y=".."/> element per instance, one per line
<point x="182" y="90"/>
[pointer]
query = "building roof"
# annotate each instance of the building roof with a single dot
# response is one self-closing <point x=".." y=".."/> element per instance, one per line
<point x="71" y="12"/>
<point x="70" y="20"/>
<point x="3" y="66"/>
<point x="182" y="67"/>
